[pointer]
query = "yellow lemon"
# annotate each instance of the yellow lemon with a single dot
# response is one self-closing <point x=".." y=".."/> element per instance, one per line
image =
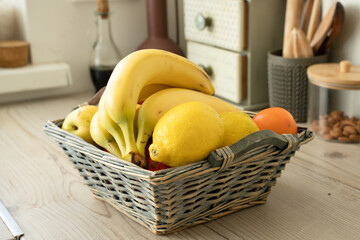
<point x="186" y="133"/>
<point x="237" y="125"/>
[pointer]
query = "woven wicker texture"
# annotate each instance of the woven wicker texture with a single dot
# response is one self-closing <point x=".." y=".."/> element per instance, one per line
<point x="288" y="82"/>
<point x="176" y="198"/>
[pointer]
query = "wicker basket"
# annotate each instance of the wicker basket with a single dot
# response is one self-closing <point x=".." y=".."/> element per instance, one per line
<point x="288" y="82"/>
<point x="165" y="201"/>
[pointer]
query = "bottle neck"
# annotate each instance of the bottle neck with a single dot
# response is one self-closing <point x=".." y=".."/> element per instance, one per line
<point x="157" y="18"/>
<point x="104" y="27"/>
<point x="104" y="52"/>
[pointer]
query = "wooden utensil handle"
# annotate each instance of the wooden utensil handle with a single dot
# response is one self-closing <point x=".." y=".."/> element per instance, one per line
<point x="307" y="15"/>
<point x="301" y="46"/>
<point x="314" y="19"/>
<point x="292" y="20"/>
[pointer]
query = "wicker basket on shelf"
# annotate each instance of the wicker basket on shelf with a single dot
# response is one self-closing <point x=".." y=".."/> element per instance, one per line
<point x="169" y="200"/>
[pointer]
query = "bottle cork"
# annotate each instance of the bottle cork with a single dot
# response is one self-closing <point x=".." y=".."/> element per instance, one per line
<point x="103" y="7"/>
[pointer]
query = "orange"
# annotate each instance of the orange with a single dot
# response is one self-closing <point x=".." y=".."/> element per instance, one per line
<point x="276" y="119"/>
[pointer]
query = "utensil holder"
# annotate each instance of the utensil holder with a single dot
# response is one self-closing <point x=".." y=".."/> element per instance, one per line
<point x="288" y="82"/>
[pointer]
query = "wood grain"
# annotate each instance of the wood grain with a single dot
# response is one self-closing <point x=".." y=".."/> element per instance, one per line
<point x="317" y="196"/>
<point x="5" y="233"/>
<point x="307" y="15"/>
<point x="314" y="19"/>
<point x="300" y="45"/>
<point x="324" y="27"/>
<point x="292" y="20"/>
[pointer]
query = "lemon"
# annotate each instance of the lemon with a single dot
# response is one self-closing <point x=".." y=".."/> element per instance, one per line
<point x="237" y="126"/>
<point x="186" y="133"/>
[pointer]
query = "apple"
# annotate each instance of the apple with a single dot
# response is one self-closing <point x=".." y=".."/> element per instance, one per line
<point x="153" y="165"/>
<point x="78" y="122"/>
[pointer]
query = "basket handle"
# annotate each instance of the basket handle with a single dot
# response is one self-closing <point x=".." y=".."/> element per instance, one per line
<point x="223" y="157"/>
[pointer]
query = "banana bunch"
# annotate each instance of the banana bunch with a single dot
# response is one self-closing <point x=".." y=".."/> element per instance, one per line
<point x="102" y="137"/>
<point x="136" y="77"/>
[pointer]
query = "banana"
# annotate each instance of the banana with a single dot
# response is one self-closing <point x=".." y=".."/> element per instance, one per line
<point x="102" y="137"/>
<point x="140" y="69"/>
<point x="110" y="126"/>
<point x="148" y="90"/>
<point x="136" y="113"/>
<point x="159" y="103"/>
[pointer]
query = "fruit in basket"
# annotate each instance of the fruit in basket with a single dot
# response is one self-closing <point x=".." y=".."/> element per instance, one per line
<point x="154" y="107"/>
<point x="138" y="70"/>
<point x="276" y="119"/>
<point x="102" y="137"/>
<point x="186" y="133"/>
<point x="149" y="90"/>
<point x="237" y="126"/>
<point x="78" y="122"/>
<point x="155" y="166"/>
<point x="111" y="126"/>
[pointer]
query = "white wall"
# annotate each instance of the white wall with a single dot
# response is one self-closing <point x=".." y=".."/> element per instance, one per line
<point x="60" y="30"/>
<point x="63" y="30"/>
<point x="347" y="44"/>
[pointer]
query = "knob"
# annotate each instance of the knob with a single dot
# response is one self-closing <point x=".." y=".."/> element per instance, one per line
<point x="207" y="69"/>
<point x="202" y="22"/>
<point x="345" y="66"/>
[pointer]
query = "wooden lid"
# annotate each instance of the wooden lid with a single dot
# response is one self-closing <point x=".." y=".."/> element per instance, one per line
<point x="13" y="44"/>
<point x="14" y="54"/>
<point x="335" y="76"/>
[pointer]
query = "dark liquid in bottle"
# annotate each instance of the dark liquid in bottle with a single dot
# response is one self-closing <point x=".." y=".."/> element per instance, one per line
<point x="100" y="76"/>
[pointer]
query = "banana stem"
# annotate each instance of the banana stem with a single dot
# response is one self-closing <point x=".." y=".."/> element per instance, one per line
<point x="129" y="138"/>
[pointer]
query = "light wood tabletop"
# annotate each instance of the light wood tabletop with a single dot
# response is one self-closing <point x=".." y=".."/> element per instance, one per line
<point x="316" y="197"/>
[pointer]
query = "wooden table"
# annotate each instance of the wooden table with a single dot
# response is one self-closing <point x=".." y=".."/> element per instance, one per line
<point x="317" y="196"/>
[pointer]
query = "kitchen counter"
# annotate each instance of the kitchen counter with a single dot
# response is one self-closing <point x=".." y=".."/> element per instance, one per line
<point x="316" y="197"/>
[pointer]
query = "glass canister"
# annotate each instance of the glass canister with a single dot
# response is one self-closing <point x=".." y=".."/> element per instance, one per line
<point x="334" y="101"/>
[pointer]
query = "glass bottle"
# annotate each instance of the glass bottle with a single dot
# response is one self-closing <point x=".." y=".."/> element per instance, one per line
<point x="105" y="55"/>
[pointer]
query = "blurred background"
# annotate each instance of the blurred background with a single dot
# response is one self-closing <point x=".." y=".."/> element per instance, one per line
<point x="64" y="32"/>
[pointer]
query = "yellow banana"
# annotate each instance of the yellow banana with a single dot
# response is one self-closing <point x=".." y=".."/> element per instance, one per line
<point x="159" y="103"/>
<point x="148" y="90"/>
<point x="111" y="126"/>
<point x="136" y="113"/>
<point x="102" y="137"/>
<point x="142" y="68"/>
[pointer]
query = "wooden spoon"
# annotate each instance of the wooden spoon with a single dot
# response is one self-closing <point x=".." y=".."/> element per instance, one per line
<point x="335" y="28"/>
<point x="324" y="28"/>
<point x="314" y="19"/>
<point x="307" y="15"/>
